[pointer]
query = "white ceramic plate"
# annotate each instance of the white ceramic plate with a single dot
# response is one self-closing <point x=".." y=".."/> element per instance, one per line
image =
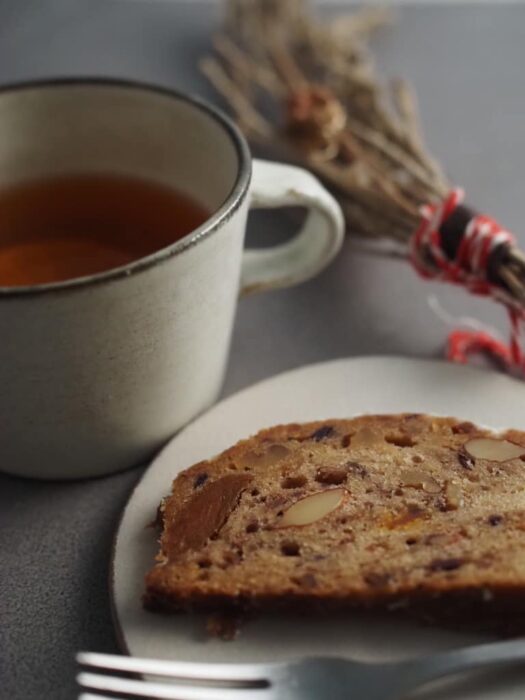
<point x="336" y="389"/>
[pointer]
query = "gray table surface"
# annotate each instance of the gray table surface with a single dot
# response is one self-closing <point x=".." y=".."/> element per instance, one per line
<point x="467" y="65"/>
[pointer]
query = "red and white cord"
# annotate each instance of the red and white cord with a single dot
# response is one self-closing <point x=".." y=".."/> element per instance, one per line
<point x="469" y="268"/>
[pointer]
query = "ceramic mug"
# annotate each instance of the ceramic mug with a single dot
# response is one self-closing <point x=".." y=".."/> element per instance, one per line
<point x="96" y="373"/>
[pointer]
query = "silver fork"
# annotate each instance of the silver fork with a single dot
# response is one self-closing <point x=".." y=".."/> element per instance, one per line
<point x="305" y="679"/>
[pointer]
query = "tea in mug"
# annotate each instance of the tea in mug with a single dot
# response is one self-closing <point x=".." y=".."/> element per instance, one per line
<point x="58" y="229"/>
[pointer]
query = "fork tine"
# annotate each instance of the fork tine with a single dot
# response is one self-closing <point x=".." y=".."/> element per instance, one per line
<point x="227" y="673"/>
<point x="168" y="691"/>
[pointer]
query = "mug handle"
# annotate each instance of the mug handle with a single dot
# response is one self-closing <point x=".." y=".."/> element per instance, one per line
<point x="278" y="185"/>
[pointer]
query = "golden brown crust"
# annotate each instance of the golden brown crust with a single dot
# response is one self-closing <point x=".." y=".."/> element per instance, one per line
<point x="420" y="520"/>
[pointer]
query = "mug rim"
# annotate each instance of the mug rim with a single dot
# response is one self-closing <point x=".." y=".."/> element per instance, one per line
<point x="213" y="223"/>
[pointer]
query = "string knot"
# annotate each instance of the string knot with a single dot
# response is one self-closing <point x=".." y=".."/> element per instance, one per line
<point x="464" y="258"/>
<point x="478" y="239"/>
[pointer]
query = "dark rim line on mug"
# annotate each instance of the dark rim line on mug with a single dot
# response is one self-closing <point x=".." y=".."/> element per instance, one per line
<point x="232" y="202"/>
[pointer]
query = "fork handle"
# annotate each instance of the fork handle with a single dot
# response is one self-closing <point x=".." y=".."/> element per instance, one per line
<point x="423" y="670"/>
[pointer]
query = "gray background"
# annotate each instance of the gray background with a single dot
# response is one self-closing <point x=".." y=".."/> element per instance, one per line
<point x="467" y="65"/>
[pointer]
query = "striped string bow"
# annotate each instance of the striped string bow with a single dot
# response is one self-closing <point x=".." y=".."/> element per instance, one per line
<point x="456" y="245"/>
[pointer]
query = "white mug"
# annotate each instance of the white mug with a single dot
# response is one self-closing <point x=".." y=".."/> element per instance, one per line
<point x="96" y="373"/>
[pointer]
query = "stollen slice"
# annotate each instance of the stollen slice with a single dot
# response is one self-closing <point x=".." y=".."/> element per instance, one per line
<point x="414" y="513"/>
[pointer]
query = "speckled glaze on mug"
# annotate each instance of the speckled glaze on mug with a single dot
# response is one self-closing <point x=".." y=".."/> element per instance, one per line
<point x="96" y="373"/>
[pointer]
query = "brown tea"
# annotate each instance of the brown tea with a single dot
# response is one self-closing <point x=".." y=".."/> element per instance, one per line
<point x="61" y="228"/>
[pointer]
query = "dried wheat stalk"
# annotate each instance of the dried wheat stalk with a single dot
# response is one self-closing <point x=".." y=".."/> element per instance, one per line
<point x="309" y="91"/>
